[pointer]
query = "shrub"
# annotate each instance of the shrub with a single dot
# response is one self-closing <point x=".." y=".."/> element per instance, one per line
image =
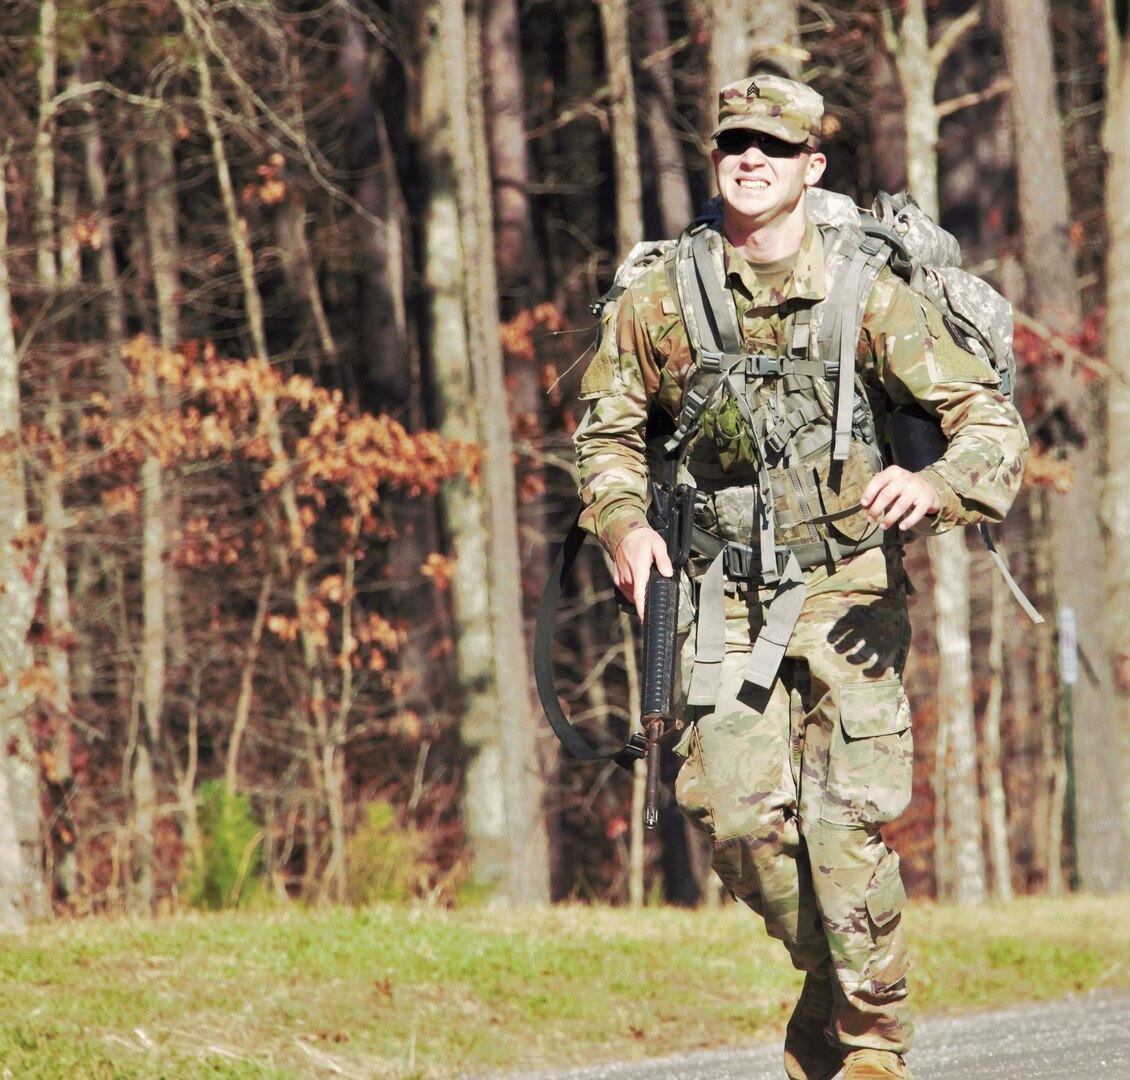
<point x="228" y="873"/>
<point x="387" y="861"/>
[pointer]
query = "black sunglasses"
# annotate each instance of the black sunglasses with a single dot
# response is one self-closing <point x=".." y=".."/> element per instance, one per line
<point x="739" y="140"/>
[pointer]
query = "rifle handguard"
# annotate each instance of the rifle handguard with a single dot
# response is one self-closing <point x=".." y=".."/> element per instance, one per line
<point x="661" y="616"/>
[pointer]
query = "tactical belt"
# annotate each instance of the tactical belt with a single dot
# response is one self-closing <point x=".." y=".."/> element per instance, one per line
<point x="742" y="563"/>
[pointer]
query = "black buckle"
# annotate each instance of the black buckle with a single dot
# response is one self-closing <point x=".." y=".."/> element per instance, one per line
<point x="636" y="746"/>
<point x="763" y="365"/>
<point x="740" y="563"/>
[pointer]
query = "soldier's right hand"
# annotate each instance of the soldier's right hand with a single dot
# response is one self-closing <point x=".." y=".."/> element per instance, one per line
<point x="632" y="562"/>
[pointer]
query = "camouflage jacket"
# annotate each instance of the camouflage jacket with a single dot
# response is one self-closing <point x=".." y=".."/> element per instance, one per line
<point x="905" y="354"/>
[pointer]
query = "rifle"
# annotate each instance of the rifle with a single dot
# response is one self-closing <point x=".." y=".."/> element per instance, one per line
<point x="672" y="516"/>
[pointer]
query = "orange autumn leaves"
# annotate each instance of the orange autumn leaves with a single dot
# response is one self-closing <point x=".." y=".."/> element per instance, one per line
<point x="244" y="423"/>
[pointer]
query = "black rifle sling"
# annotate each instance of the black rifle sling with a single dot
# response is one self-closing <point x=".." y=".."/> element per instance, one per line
<point x="636" y="746"/>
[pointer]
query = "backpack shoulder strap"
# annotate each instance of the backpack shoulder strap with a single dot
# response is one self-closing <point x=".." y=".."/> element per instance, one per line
<point x="710" y="320"/>
<point x="842" y="322"/>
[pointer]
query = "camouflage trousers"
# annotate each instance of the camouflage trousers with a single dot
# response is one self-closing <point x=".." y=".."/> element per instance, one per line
<point x="793" y="783"/>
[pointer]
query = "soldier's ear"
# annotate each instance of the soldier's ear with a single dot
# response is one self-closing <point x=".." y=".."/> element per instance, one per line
<point x="817" y="163"/>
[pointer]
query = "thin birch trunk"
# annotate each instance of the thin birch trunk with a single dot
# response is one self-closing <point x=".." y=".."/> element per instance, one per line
<point x="23" y="895"/>
<point x="159" y="166"/>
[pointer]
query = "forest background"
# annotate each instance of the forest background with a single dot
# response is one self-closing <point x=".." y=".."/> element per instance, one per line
<point x="294" y="304"/>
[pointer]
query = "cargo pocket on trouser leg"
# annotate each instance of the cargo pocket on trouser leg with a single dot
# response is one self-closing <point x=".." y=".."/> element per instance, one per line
<point x="870" y="759"/>
<point x="886" y="897"/>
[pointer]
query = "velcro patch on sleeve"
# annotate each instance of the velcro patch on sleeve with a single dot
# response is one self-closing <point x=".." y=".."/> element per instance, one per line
<point x="602" y="377"/>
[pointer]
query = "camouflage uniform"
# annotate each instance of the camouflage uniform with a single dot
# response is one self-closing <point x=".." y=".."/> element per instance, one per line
<point x="794" y="782"/>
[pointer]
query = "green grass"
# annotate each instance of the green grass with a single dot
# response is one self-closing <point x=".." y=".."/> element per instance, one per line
<point x="395" y="993"/>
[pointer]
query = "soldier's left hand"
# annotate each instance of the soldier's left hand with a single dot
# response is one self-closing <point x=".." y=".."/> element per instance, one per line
<point x="899" y="497"/>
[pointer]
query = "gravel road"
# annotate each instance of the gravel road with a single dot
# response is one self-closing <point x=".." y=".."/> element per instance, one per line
<point x="1085" y="1036"/>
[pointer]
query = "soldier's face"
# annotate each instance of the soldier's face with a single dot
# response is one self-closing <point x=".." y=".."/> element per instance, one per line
<point x="763" y="181"/>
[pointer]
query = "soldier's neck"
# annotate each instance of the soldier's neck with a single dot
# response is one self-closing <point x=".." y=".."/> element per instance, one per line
<point x="770" y="242"/>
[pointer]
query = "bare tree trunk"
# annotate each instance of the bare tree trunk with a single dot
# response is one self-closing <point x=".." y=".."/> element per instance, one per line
<point x="507" y="832"/>
<point x="669" y="169"/>
<point x="1114" y="756"/>
<point x="23" y="895"/>
<point x="49" y="238"/>
<point x="997" y="810"/>
<point x="918" y="66"/>
<point x="159" y="165"/>
<point x="509" y="160"/>
<point x="625" y="145"/>
<point x="743" y="32"/>
<point x="1074" y="525"/>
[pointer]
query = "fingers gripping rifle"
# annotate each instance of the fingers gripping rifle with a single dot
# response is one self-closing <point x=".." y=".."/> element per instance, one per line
<point x="671" y="514"/>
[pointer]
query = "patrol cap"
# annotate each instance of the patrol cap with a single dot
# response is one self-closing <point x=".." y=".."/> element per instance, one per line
<point x="778" y="106"/>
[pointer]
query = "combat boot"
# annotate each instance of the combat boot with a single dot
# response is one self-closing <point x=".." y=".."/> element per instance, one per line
<point x="867" y="1064"/>
<point x="808" y="1054"/>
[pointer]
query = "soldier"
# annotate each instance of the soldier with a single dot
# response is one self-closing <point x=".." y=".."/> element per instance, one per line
<point x="793" y="769"/>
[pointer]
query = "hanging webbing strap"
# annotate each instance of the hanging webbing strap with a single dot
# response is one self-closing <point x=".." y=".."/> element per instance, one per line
<point x="710" y="635"/>
<point x="780" y="621"/>
<point x="1010" y="581"/>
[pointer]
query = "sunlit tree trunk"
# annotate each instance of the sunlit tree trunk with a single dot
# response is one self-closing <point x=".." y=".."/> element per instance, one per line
<point x="960" y="861"/>
<point x="502" y="796"/>
<point x="58" y="266"/>
<point x="996" y="817"/>
<point x="161" y="204"/>
<point x="1114" y="756"/>
<point x="23" y="894"/>
<point x="743" y="32"/>
<point x="1072" y="517"/>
